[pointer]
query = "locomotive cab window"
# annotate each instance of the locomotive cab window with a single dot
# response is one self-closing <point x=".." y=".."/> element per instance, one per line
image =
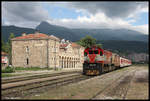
<point x="96" y="52"/>
<point x="101" y="53"/>
<point x="90" y="52"/>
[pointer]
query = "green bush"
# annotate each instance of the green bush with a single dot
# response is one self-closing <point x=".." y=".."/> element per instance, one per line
<point x="8" y="70"/>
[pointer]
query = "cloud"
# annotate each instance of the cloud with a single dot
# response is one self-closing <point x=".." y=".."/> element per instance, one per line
<point x="141" y="28"/>
<point x="94" y="14"/>
<point x="23" y="13"/>
<point x="112" y="9"/>
<point x="97" y="21"/>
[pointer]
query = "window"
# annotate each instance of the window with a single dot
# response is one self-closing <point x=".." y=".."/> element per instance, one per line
<point x="27" y="61"/>
<point x="93" y="52"/>
<point x="90" y="52"/>
<point x="101" y="53"/>
<point x="96" y="52"/>
<point x="27" y="49"/>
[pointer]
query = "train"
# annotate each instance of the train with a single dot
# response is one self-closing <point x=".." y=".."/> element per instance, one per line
<point x="98" y="61"/>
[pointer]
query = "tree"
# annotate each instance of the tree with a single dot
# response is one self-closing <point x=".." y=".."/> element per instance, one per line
<point x="9" y="47"/>
<point x="87" y="41"/>
<point x="99" y="45"/>
<point x="3" y="46"/>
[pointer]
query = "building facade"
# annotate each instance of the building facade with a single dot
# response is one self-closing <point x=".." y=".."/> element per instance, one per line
<point x="41" y="50"/>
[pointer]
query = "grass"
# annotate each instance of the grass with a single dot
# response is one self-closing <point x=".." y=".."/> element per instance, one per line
<point x="8" y="75"/>
<point x="140" y="64"/>
<point x="31" y="68"/>
<point x="9" y="71"/>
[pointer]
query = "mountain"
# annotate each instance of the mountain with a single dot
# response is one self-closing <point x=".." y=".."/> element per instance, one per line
<point x="121" y="41"/>
<point x="113" y="34"/>
<point x="6" y="30"/>
<point x="76" y="34"/>
<point x="125" y="46"/>
<point x="57" y="31"/>
<point x="99" y="34"/>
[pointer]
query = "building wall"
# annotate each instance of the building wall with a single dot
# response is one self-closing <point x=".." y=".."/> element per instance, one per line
<point x="29" y="53"/>
<point x="71" y="57"/>
<point x="45" y="53"/>
<point x="53" y="53"/>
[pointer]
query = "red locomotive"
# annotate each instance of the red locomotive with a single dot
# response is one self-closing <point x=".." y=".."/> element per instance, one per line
<point x="97" y="61"/>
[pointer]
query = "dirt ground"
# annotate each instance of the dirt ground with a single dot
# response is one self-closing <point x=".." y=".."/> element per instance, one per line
<point x="126" y="83"/>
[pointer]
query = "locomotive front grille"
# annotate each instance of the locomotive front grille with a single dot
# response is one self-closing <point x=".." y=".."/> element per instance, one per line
<point x="91" y="65"/>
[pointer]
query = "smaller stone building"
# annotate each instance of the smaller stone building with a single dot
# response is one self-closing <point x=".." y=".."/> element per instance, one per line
<point x="71" y="55"/>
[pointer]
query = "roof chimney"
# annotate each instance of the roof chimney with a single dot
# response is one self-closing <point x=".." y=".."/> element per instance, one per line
<point x="23" y="34"/>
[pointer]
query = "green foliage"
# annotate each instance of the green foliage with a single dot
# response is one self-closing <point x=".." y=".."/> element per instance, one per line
<point x="99" y="45"/>
<point x="31" y="68"/>
<point x="87" y="41"/>
<point x="8" y="70"/>
<point x="9" y="47"/>
<point x="3" y="45"/>
<point x="6" y="75"/>
<point x="6" y="47"/>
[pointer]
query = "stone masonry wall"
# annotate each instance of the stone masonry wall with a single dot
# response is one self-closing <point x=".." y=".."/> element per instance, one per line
<point x="29" y="53"/>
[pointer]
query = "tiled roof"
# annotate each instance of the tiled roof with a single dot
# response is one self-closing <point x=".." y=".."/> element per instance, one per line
<point x="36" y="36"/>
<point x="63" y="45"/>
<point x="54" y="37"/>
<point x="33" y="36"/>
<point x="75" y="45"/>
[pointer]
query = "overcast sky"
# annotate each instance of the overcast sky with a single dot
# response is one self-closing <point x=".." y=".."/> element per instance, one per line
<point x="130" y="15"/>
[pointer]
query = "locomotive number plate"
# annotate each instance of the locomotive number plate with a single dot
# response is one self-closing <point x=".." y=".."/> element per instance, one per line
<point x="92" y="64"/>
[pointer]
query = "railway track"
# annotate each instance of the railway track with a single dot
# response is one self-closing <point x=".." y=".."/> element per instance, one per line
<point x="17" y="79"/>
<point x="29" y="88"/>
<point x="116" y="89"/>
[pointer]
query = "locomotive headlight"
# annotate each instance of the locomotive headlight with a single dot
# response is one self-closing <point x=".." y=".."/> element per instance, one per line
<point x="99" y="58"/>
<point x="86" y="58"/>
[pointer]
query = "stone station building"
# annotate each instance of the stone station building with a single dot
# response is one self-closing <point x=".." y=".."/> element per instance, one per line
<point x="41" y="50"/>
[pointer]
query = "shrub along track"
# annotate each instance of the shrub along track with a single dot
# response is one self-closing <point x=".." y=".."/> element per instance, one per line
<point x="25" y="87"/>
<point x="17" y="79"/>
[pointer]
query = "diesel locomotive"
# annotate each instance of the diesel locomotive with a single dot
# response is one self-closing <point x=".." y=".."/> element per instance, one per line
<point x="98" y="61"/>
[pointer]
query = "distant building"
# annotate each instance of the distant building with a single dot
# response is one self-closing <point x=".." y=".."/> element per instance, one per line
<point x="139" y="57"/>
<point x="4" y="60"/>
<point x="41" y="50"/>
